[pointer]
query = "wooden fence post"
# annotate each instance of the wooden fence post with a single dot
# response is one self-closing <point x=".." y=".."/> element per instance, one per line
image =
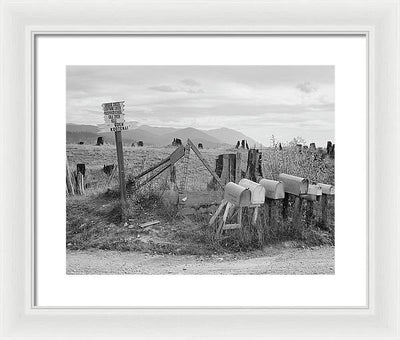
<point x="80" y="184"/>
<point x="173" y="178"/>
<point x="70" y="187"/>
<point x="273" y="212"/>
<point x="324" y="210"/>
<point x="285" y="207"/>
<point x="297" y="213"/>
<point x="309" y="213"/>
<point x="238" y="170"/>
<point x="80" y="174"/>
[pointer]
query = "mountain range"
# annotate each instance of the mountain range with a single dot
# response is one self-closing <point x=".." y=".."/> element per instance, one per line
<point x="158" y="136"/>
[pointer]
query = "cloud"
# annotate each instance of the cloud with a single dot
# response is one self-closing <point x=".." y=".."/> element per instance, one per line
<point x="172" y="89"/>
<point x="190" y="82"/>
<point x="164" y="88"/>
<point x="306" y="87"/>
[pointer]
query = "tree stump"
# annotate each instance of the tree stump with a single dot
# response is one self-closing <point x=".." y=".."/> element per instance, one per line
<point x="225" y="168"/>
<point x="81" y="168"/>
<point x="254" y="165"/>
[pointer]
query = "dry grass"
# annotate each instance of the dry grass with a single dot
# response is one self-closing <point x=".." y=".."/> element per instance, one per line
<point x="94" y="220"/>
<point x="289" y="160"/>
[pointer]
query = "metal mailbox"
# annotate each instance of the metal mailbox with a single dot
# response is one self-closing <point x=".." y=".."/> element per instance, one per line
<point x="237" y="195"/>
<point x="294" y="185"/>
<point x="257" y="191"/>
<point x="273" y="189"/>
<point x="314" y="192"/>
<point x="327" y="189"/>
<point x="314" y="189"/>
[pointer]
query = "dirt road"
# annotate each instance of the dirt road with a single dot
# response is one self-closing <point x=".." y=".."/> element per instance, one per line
<point x="271" y="260"/>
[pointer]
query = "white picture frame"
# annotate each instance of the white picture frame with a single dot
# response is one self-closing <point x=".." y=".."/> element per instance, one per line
<point x="22" y="21"/>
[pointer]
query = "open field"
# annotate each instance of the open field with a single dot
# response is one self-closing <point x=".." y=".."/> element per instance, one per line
<point x="138" y="159"/>
<point x="94" y="220"/>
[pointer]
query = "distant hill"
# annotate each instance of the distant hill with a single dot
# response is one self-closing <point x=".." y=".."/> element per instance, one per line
<point x="195" y="135"/>
<point x="81" y="136"/>
<point x="158" y="136"/>
<point x="157" y="130"/>
<point x="132" y="136"/>
<point x="229" y="136"/>
<point x="82" y="128"/>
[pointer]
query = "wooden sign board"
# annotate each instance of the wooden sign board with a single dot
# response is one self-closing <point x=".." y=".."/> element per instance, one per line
<point x="113" y="121"/>
<point x="119" y="128"/>
<point x="113" y="107"/>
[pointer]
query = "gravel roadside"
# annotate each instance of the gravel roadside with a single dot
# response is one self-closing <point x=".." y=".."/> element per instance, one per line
<point x="271" y="260"/>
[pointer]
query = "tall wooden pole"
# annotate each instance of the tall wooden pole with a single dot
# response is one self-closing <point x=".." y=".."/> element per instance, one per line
<point x="121" y="171"/>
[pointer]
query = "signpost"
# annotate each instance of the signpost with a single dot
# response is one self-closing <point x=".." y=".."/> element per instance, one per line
<point x="114" y="119"/>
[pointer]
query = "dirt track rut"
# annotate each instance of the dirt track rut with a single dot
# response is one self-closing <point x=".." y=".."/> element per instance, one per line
<point x="308" y="261"/>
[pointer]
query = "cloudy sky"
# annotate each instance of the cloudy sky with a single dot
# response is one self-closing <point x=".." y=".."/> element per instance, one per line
<point x="260" y="101"/>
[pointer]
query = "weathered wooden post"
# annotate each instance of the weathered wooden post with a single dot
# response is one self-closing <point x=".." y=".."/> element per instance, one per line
<point x="80" y="178"/>
<point x="329" y="147"/>
<point x="238" y="170"/>
<point x="81" y="168"/>
<point x="80" y="173"/>
<point x="309" y="213"/>
<point x="327" y="190"/>
<point x="257" y="200"/>
<point x="226" y="168"/>
<point x="235" y="196"/>
<point x="114" y="116"/>
<point x="296" y="186"/>
<point x="120" y="159"/>
<point x="254" y="165"/>
<point x="274" y="191"/>
<point x="173" y="178"/>
<point x="297" y="213"/>
<point x="70" y="186"/>
<point x="285" y="207"/>
<point x="314" y="193"/>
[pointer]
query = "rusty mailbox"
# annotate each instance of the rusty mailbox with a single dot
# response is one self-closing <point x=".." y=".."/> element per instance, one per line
<point x="327" y="189"/>
<point x="294" y="185"/>
<point x="237" y="195"/>
<point x="257" y="191"/>
<point x="273" y="189"/>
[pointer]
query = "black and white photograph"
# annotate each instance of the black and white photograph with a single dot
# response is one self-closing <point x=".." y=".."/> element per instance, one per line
<point x="200" y="170"/>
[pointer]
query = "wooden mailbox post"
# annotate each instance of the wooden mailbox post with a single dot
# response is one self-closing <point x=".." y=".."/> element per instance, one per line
<point x="274" y="191"/>
<point x="114" y="119"/>
<point x="296" y="186"/>
<point x="234" y="196"/>
<point x="327" y="190"/>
